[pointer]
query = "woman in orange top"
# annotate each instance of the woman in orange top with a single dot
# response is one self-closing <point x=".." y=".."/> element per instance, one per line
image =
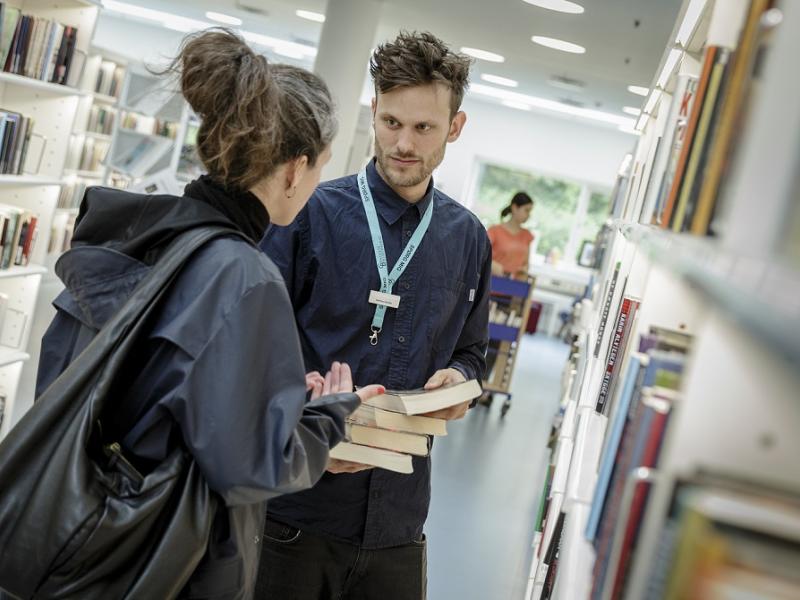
<point x="511" y="243"/>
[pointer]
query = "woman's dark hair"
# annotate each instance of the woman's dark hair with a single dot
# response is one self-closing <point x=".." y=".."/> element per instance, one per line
<point x="519" y="199"/>
<point x="254" y="115"/>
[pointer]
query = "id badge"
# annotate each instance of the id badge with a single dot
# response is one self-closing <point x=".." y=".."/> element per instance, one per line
<point x="382" y="299"/>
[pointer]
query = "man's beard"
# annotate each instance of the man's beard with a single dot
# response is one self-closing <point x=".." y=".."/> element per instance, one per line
<point x="408" y="177"/>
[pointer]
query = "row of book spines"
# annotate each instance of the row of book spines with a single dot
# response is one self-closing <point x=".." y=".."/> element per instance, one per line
<point x="15" y="135"/>
<point x="39" y="48"/>
<point x="715" y="109"/>
<point x="18" y="229"/>
<point x="109" y="79"/>
<point x="92" y="155"/>
<point x="101" y="120"/>
<point x="160" y="127"/>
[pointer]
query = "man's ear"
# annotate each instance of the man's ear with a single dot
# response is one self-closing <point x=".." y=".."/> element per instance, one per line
<point x="456" y="126"/>
<point x="374" y="105"/>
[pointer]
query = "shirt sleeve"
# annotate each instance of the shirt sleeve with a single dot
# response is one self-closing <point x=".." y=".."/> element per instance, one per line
<point x="469" y="357"/>
<point x="242" y="406"/>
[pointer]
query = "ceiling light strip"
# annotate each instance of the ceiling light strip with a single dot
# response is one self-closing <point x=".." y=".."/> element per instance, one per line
<point x="551" y="105"/>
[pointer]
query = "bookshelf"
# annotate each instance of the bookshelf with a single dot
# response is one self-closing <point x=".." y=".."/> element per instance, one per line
<point x="624" y="493"/>
<point x="148" y="132"/>
<point x="53" y="109"/>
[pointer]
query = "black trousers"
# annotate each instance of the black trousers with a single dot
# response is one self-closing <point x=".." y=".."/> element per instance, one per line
<point x="297" y="565"/>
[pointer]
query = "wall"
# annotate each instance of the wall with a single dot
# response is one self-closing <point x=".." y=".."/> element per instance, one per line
<point x="540" y="142"/>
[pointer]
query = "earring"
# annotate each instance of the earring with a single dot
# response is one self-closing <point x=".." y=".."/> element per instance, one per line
<point x="294" y="191"/>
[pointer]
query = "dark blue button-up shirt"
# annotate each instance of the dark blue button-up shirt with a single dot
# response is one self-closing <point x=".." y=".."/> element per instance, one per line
<point x="328" y="263"/>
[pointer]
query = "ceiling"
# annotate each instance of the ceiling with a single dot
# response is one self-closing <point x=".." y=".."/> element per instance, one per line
<point x="624" y="39"/>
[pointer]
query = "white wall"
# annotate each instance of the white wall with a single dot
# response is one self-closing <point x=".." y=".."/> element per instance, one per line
<point x="539" y="142"/>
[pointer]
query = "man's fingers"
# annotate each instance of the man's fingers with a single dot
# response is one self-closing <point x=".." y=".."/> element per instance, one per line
<point x="370" y="391"/>
<point x="435" y="381"/>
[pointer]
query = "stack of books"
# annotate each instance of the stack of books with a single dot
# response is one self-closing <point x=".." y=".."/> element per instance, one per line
<point x="109" y="79"/>
<point x="388" y="430"/>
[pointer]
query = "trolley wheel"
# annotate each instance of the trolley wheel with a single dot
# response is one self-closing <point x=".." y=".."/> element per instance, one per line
<point x="505" y="407"/>
<point x="485" y="399"/>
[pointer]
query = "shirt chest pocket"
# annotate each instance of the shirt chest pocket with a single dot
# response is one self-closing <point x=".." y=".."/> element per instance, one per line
<point x="448" y="310"/>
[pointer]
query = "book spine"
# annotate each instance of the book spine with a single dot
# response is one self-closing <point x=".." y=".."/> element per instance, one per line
<point x="708" y="66"/>
<point x="606" y="308"/>
<point x="611" y="362"/>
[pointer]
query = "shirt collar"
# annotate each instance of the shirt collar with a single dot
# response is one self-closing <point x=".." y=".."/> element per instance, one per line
<point x="389" y="204"/>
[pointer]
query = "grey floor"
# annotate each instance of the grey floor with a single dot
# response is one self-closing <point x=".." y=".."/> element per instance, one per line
<point x="487" y="476"/>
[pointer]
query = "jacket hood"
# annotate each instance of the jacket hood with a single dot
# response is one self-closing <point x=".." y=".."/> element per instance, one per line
<point x="118" y="235"/>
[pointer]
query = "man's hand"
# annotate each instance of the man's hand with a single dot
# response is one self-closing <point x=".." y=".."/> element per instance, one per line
<point x="337" y="466"/>
<point x="447" y="377"/>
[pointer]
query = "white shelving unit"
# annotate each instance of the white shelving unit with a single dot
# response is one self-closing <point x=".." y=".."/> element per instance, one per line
<point x="738" y="295"/>
<point x="53" y="108"/>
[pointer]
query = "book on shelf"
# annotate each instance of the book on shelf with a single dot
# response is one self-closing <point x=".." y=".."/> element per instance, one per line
<point x="674" y="135"/>
<point x="624" y="324"/>
<point x="109" y="78"/>
<point x="398" y="441"/>
<point x="640" y="443"/>
<point x="38" y="47"/>
<point x="101" y="120"/>
<point x="416" y="402"/>
<point x="687" y="139"/>
<point x="384" y="419"/>
<point x="727" y="539"/>
<point x="633" y="380"/>
<point x="729" y="120"/>
<point x="18" y="231"/>
<point x="698" y="155"/>
<point x="376" y="457"/>
<point x="15" y="136"/>
<point x="550" y="559"/>
<point x="606" y="309"/>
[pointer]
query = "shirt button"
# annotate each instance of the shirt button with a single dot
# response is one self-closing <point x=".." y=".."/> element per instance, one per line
<point x="256" y="539"/>
<point x="401" y="339"/>
<point x="406" y="285"/>
<point x="376" y="495"/>
<point x="408" y="234"/>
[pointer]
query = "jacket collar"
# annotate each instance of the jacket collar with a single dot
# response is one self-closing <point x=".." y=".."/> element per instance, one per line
<point x="389" y="204"/>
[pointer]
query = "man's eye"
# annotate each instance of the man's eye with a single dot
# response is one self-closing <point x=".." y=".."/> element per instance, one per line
<point x="391" y="122"/>
<point x="423" y="127"/>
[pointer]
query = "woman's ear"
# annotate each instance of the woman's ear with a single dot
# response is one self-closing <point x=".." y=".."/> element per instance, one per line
<point x="297" y="169"/>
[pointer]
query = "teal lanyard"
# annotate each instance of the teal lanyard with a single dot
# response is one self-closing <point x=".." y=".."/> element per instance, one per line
<point x="388" y="279"/>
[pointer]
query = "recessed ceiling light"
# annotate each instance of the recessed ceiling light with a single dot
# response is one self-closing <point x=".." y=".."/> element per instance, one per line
<point x="638" y="90"/>
<point x="551" y="105"/>
<point x="632" y="110"/>
<point x="517" y="105"/>
<point x="499" y="80"/>
<point x="169" y="20"/>
<point x="221" y="18"/>
<point x="558" y="44"/>
<point x="483" y="54"/>
<point x="310" y="15"/>
<point x="275" y="43"/>
<point x="558" y="5"/>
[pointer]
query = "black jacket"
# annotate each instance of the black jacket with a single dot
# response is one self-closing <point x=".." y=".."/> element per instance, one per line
<point x="221" y="370"/>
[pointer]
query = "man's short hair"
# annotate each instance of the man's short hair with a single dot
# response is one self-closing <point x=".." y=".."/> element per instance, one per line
<point x="418" y="59"/>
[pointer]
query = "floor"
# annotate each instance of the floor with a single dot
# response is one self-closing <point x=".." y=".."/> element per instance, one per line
<point x="487" y="477"/>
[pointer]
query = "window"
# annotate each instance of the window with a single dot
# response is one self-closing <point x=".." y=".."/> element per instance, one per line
<point x="565" y="212"/>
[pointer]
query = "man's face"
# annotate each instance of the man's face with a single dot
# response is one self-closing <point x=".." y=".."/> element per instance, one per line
<point x="412" y="127"/>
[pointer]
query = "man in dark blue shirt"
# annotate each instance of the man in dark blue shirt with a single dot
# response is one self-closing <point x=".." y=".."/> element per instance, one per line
<point x="358" y="533"/>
